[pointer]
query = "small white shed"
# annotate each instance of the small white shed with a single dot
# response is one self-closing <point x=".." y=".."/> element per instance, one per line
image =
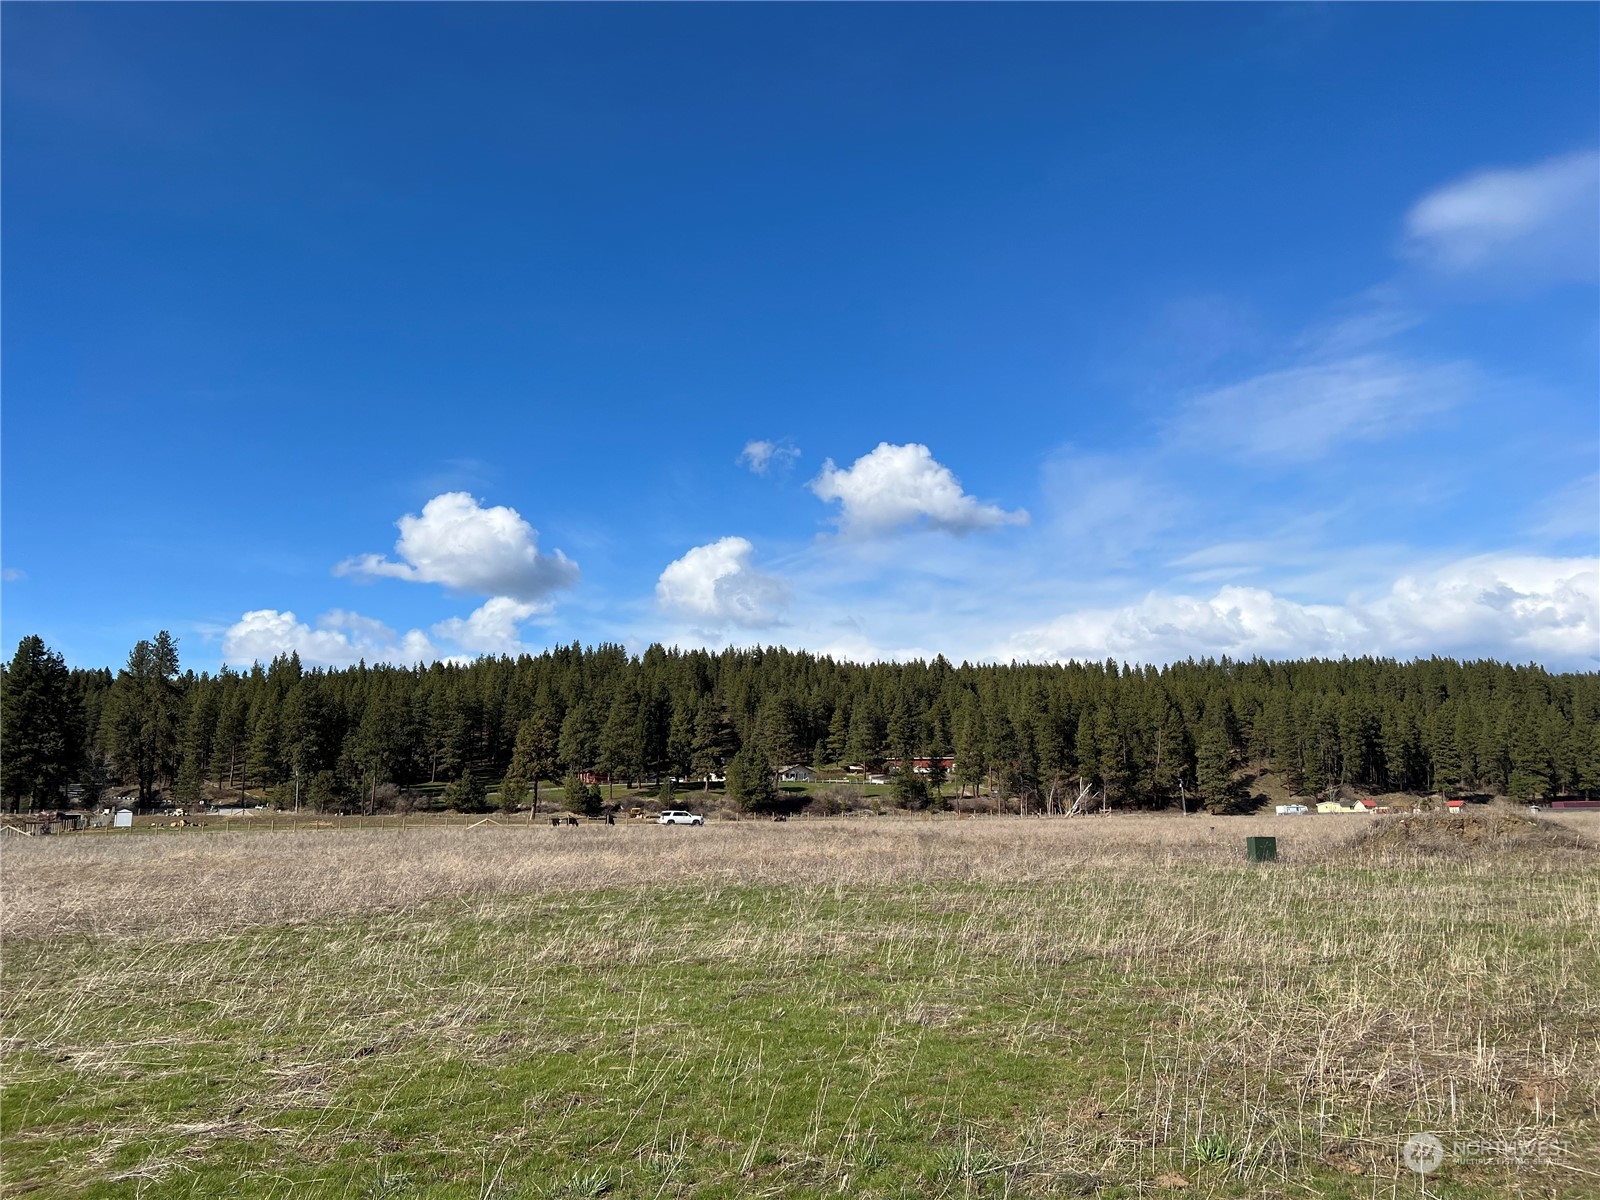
<point x="123" y="819"/>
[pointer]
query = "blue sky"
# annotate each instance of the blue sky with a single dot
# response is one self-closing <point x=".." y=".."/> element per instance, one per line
<point x="405" y="332"/>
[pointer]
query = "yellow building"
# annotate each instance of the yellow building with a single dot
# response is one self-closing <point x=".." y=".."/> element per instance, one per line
<point x="1353" y="806"/>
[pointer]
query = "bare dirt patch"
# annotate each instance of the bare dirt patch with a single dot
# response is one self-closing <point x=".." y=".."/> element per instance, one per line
<point x="1466" y="835"/>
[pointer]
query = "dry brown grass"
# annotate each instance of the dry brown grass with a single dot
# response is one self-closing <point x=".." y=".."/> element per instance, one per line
<point x="199" y="884"/>
<point x="976" y="1007"/>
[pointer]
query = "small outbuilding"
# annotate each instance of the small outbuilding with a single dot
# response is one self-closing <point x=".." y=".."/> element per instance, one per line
<point x="123" y="819"/>
<point x="1341" y="806"/>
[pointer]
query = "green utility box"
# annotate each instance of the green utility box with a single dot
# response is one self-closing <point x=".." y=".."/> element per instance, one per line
<point x="1261" y="849"/>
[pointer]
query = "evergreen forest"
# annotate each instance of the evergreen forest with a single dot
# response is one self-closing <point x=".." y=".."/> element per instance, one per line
<point x="355" y="738"/>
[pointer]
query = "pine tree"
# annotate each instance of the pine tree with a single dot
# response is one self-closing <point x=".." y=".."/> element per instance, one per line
<point x="713" y="740"/>
<point x="140" y="725"/>
<point x="1115" y="776"/>
<point x="533" y="757"/>
<point x="1531" y="775"/>
<point x="380" y="742"/>
<point x="680" y="742"/>
<point x="865" y="744"/>
<point x="578" y="746"/>
<point x="228" y="740"/>
<point x="264" y="760"/>
<point x="838" y="732"/>
<point x="901" y="736"/>
<point x="1288" y="756"/>
<point x="1586" y="758"/>
<point x="780" y="729"/>
<point x="1444" y="753"/>
<point x="189" y="788"/>
<point x="1214" y="768"/>
<point x="307" y="740"/>
<point x="1469" y="738"/>
<point x="1087" y="749"/>
<point x="971" y="737"/>
<point x="42" y="727"/>
<point x="622" y="739"/>
<point x="750" y="780"/>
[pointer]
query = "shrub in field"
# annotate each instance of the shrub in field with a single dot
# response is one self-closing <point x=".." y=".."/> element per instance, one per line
<point x="467" y="794"/>
<point x="831" y="802"/>
<point x="324" y="793"/>
<point x="579" y="797"/>
<point x="513" y="791"/>
<point x="910" y="790"/>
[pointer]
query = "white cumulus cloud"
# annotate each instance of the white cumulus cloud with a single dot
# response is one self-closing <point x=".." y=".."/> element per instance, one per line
<point x="1506" y="607"/>
<point x="717" y="583"/>
<point x="339" y="639"/>
<point x="1514" y="608"/>
<point x="760" y="455"/>
<point x="1540" y="219"/>
<point x="491" y="628"/>
<point x="896" y="486"/>
<point x="464" y="546"/>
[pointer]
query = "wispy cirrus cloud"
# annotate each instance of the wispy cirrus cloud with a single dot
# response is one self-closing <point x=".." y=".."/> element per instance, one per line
<point x="1305" y="411"/>
<point x="760" y="456"/>
<point x="1540" y="221"/>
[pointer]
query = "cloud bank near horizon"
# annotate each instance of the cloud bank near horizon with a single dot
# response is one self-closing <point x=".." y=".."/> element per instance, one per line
<point x="1515" y="608"/>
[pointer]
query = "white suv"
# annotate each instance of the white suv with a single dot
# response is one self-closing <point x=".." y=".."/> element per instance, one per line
<point x="676" y="816"/>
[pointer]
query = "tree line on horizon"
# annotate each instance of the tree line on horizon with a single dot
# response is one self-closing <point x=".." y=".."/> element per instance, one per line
<point x="1139" y="736"/>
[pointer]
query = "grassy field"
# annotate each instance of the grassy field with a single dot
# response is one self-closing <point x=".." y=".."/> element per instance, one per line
<point x="872" y="1007"/>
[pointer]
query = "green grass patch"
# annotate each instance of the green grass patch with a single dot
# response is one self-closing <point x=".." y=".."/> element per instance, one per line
<point x="1245" y="1032"/>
